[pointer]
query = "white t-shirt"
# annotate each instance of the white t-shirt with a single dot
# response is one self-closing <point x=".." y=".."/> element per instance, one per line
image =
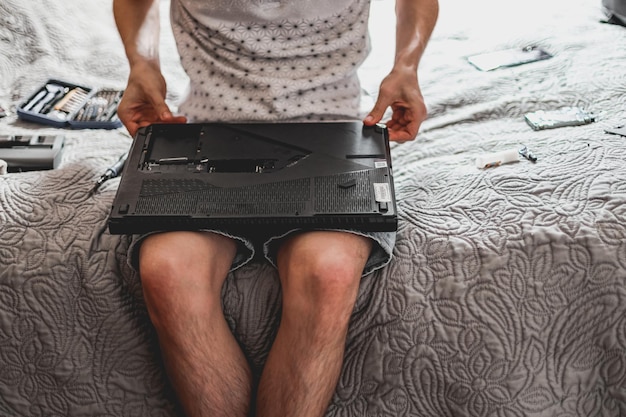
<point x="271" y="60"/>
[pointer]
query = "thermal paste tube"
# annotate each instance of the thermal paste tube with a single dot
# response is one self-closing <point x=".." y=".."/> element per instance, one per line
<point x="497" y="158"/>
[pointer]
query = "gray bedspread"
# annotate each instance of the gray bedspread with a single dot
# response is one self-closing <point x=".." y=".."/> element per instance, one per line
<point x="507" y="292"/>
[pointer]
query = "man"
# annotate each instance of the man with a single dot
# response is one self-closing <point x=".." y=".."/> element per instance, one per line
<point x="263" y="60"/>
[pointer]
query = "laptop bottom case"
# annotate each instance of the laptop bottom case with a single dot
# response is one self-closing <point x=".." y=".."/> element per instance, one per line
<point x="243" y="177"/>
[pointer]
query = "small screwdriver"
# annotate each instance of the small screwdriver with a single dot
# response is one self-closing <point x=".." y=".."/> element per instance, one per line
<point x="111" y="172"/>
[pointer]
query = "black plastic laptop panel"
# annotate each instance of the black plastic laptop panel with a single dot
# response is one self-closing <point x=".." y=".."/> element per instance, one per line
<point x="256" y="177"/>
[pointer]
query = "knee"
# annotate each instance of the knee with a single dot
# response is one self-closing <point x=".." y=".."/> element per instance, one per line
<point x="323" y="284"/>
<point x="164" y="280"/>
<point x="321" y="291"/>
<point x="182" y="272"/>
<point x="161" y="255"/>
<point x="329" y="276"/>
<point x="160" y="269"/>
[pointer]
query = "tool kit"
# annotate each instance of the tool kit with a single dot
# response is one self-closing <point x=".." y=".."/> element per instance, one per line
<point x="62" y="104"/>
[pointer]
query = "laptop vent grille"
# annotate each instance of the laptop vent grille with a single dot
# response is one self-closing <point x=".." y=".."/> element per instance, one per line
<point x="332" y="197"/>
<point x="161" y="187"/>
<point x="196" y="197"/>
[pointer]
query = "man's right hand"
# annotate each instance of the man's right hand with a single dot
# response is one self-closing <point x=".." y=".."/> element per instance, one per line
<point x="143" y="102"/>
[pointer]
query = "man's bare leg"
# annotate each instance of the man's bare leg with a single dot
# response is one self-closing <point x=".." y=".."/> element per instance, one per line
<point x="182" y="275"/>
<point x="320" y="274"/>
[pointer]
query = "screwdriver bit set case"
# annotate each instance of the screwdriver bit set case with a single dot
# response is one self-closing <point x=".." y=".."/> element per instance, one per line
<point x="62" y="104"/>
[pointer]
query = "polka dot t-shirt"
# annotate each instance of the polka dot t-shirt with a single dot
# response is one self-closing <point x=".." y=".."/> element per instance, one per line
<point x="260" y="60"/>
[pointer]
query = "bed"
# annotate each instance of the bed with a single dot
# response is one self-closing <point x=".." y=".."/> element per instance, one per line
<point x="507" y="292"/>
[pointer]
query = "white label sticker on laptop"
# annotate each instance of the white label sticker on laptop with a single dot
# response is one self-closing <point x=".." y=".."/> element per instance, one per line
<point x="380" y="164"/>
<point x="382" y="192"/>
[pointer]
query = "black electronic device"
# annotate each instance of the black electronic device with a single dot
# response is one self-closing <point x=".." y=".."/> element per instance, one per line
<point x="256" y="176"/>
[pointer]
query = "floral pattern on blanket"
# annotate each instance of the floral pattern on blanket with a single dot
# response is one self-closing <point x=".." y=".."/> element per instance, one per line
<point x="506" y="295"/>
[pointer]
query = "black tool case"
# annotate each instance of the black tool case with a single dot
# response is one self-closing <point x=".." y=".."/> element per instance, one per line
<point x="66" y="105"/>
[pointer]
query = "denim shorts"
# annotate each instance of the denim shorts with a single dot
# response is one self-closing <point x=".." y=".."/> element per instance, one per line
<point x="249" y="248"/>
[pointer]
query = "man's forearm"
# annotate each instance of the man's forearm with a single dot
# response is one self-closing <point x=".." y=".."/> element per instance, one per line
<point x="415" y="21"/>
<point x="138" y="24"/>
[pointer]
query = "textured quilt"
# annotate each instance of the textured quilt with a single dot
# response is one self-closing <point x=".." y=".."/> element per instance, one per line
<point x="507" y="292"/>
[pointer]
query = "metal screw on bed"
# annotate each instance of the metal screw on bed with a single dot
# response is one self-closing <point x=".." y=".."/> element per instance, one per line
<point x="526" y="153"/>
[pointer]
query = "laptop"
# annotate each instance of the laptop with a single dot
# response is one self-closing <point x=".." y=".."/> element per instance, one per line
<point x="243" y="177"/>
